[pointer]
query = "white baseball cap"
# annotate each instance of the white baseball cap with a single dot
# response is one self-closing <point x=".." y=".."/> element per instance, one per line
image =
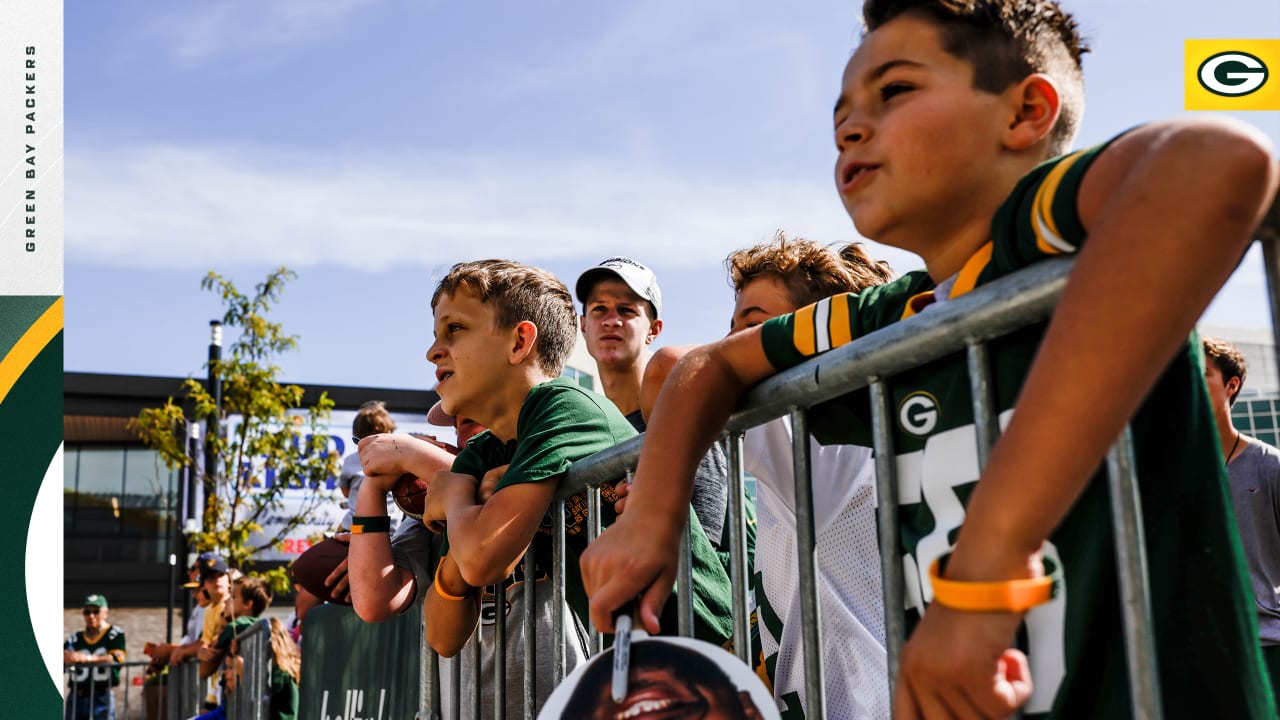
<point x="639" y="278"/>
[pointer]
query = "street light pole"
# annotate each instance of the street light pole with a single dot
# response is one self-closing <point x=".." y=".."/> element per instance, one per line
<point x="214" y="425"/>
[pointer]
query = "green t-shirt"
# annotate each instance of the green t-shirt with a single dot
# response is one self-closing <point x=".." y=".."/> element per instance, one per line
<point x="282" y="703"/>
<point x="1204" y="627"/>
<point x="109" y="642"/>
<point x="283" y="695"/>
<point x="559" y="424"/>
<point x="234" y="628"/>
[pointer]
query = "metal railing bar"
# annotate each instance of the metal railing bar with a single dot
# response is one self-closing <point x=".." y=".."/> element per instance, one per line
<point x="557" y="586"/>
<point x="1131" y="567"/>
<point x="530" y="647"/>
<point x="996" y="309"/>
<point x="684" y="582"/>
<point x="806" y="544"/>
<point x="895" y="627"/>
<point x="740" y="571"/>
<point x="593" y="531"/>
<point x="499" y="651"/>
<point x="986" y="428"/>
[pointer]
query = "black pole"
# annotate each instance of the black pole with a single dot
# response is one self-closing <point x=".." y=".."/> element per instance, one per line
<point x="213" y="426"/>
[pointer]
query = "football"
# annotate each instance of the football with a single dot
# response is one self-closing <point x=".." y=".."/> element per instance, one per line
<point x="314" y="565"/>
<point x="410" y="494"/>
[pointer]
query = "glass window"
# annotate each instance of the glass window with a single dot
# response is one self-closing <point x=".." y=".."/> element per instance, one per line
<point x="147" y="482"/>
<point x="101" y="472"/>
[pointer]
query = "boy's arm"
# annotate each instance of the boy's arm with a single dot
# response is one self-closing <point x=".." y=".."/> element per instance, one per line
<point x="1169" y="209"/>
<point x="449" y="622"/>
<point x="655" y="375"/>
<point x="487" y="540"/>
<point x="637" y="555"/>
<point x="380" y="589"/>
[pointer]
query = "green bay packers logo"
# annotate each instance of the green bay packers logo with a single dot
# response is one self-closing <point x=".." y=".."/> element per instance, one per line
<point x="918" y="413"/>
<point x="1232" y="73"/>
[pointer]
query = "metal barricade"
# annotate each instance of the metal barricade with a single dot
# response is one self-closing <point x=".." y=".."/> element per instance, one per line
<point x="965" y="324"/>
<point x="248" y="699"/>
<point x="186" y="690"/>
<point x="89" y="685"/>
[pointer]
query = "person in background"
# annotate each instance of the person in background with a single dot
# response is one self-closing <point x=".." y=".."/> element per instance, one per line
<point x="1253" y="474"/>
<point x="90" y="652"/>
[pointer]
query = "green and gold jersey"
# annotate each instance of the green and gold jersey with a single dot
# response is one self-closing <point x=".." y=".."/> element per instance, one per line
<point x="1203" y="620"/>
<point x="559" y="424"/>
<point x="109" y="642"/>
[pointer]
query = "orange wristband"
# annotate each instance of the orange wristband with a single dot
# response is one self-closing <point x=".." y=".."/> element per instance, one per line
<point x="1005" y="596"/>
<point x="440" y="591"/>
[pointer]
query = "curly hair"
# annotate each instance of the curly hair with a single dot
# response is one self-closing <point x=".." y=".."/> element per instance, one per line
<point x="1005" y="41"/>
<point x="518" y="293"/>
<point x="810" y="271"/>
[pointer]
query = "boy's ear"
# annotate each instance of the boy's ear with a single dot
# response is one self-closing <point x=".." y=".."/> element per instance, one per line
<point x="1036" y="107"/>
<point x="524" y="337"/>
<point x="655" y="328"/>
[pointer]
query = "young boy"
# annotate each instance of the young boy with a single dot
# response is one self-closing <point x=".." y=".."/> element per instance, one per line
<point x="503" y="332"/>
<point x="250" y="597"/>
<point x="945" y="114"/>
<point x="621" y="303"/>
<point x="768" y="280"/>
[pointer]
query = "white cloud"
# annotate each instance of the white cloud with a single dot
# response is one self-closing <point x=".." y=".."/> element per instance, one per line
<point x="196" y="207"/>
<point x="201" y="31"/>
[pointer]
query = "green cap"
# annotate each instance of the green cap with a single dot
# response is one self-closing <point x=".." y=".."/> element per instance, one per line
<point x="95" y="601"/>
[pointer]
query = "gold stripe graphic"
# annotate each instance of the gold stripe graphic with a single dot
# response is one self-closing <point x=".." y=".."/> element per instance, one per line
<point x="34" y="340"/>
<point x="802" y="332"/>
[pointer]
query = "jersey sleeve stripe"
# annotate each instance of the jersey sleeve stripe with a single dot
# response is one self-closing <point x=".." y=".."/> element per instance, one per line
<point x="802" y="332"/>
<point x="973" y="267"/>
<point x="838" y="325"/>
<point x="822" y="324"/>
<point x="1048" y="238"/>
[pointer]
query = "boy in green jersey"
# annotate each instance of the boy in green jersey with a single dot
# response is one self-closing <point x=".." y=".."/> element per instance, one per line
<point x="503" y="332"/>
<point x="947" y="115"/>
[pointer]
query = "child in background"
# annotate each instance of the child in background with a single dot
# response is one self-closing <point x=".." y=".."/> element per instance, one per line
<point x="945" y="118"/>
<point x="503" y="331"/>
<point x="769" y="280"/>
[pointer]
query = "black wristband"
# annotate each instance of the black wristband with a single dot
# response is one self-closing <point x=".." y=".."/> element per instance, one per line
<point x="361" y="524"/>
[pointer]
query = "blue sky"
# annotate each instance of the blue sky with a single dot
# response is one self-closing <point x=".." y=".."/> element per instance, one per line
<point x="369" y="145"/>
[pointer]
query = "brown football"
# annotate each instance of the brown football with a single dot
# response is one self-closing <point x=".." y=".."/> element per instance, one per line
<point x="410" y="494"/>
<point x="314" y="565"/>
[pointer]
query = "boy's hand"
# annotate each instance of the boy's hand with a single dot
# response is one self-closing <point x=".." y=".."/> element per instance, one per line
<point x="339" y="581"/>
<point x="958" y="663"/>
<point x="447" y="489"/>
<point x="489" y="483"/>
<point x="636" y="556"/>
<point x="385" y="457"/>
<point x="622" y="488"/>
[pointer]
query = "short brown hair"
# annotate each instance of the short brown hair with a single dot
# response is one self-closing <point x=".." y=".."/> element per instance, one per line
<point x="518" y="293"/>
<point x="372" y="419"/>
<point x="1005" y="41"/>
<point x="809" y="270"/>
<point x="1228" y="359"/>
<point x="256" y="592"/>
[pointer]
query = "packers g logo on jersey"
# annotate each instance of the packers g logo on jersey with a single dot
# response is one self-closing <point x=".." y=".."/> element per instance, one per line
<point x="918" y="413"/>
<point x="1231" y="74"/>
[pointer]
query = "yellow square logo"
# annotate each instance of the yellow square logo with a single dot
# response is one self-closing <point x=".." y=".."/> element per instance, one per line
<point x="1232" y="74"/>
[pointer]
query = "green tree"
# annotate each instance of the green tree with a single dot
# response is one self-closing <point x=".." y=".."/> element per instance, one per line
<point x="265" y="433"/>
